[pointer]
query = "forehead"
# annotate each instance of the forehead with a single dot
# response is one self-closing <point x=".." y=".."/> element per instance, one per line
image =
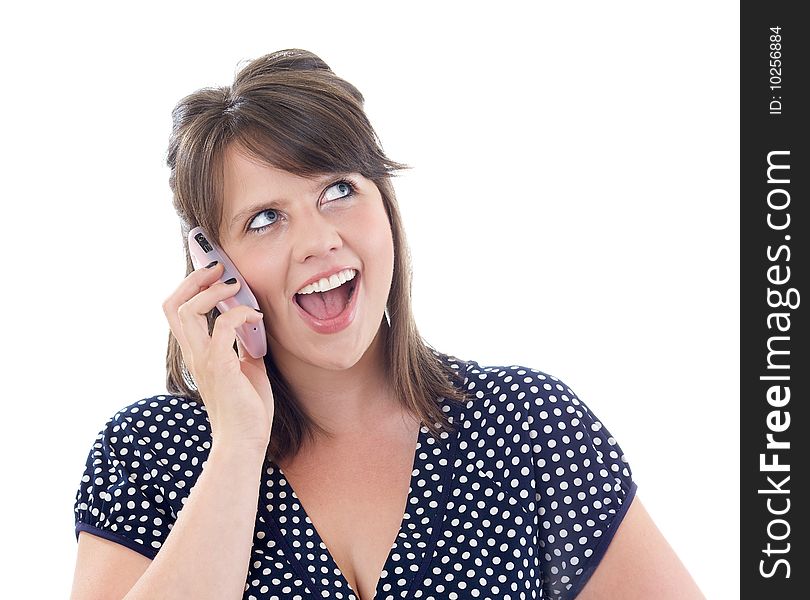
<point x="245" y="177"/>
<point x="247" y="181"/>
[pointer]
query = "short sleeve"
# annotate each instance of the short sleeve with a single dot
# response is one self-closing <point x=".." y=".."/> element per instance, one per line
<point x="120" y="493"/>
<point x="584" y="488"/>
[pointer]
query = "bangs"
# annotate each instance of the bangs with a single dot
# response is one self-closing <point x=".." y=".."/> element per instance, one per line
<point x="303" y="131"/>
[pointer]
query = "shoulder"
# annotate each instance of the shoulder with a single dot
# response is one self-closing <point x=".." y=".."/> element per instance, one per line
<point x="517" y="411"/>
<point x="161" y="424"/>
<point x="542" y="407"/>
<point x="519" y="392"/>
<point x="160" y="421"/>
<point x="162" y="408"/>
<point x="160" y="440"/>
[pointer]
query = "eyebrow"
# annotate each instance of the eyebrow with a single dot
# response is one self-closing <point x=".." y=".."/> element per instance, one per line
<point x="256" y="208"/>
<point x="281" y="203"/>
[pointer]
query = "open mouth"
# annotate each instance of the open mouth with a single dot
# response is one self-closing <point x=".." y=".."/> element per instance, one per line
<point x="330" y="304"/>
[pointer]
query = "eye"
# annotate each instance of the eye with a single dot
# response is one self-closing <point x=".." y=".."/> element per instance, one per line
<point x="336" y="191"/>
<point x="264" y="219"/>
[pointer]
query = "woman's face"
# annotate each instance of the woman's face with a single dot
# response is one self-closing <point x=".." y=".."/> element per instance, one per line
<point x="282" y="231"/>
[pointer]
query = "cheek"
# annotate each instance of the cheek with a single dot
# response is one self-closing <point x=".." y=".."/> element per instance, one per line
<point x="377" y="240"/>
<point x="266" y="281"/>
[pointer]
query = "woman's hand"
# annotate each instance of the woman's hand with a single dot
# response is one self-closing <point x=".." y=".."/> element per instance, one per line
<point x="235" y="389"/>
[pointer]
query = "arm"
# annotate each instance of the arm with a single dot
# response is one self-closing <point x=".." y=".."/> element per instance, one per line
<point x="639" y="564"/>
<point x="207" y="552"/>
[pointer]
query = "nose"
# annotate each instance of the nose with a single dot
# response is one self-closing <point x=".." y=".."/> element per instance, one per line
<point x="316" y="237"/>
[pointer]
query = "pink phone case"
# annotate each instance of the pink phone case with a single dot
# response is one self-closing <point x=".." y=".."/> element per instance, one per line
<point x="203" y="252"/>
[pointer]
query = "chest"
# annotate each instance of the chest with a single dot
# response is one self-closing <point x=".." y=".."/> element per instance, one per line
<point x="470" y="528"/>
<point x="356" y="500"/>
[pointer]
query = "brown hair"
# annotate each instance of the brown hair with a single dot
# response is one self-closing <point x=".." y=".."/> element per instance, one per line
<point x="291" y="111"/>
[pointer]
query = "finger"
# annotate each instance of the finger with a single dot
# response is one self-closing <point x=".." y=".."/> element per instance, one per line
<point x="193" y="283"/>
<point x="224" y="333"/>
<point x="192" y="314"/>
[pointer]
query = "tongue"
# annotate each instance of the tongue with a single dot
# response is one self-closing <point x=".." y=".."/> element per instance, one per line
<point x="325" y="305"/>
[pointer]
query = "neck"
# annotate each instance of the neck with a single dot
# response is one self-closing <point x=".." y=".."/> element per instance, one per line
<point x="346" y="402"/>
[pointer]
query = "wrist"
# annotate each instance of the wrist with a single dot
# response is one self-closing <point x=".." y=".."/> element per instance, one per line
<point x="243" y="449"/>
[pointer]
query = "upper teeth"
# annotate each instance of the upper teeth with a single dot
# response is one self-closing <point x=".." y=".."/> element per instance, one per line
<point x="325" y="284"/>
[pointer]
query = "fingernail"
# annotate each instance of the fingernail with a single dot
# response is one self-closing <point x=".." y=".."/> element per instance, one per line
<point x="231" y="280"/>
<point x="213" y="264"/>
<point x="257" y="310"/>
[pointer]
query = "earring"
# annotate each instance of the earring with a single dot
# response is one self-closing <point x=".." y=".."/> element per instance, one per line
<point x="187" y="377"/>
<point x="387" y="316"/>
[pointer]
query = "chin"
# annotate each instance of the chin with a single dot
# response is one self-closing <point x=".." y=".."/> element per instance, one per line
<point x="335" y="361"/>
<point x="342" y="356"/>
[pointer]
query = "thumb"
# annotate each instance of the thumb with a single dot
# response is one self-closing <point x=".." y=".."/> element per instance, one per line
<point x="256" y="372"/>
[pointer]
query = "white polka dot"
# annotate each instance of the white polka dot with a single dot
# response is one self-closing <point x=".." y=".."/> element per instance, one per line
<point x="512" y="504"/>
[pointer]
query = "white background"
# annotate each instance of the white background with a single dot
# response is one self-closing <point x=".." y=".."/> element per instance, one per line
<point x="572" y="207"/>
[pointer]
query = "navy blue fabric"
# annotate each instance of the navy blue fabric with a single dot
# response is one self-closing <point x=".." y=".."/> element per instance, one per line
<point x="520" y="501"/>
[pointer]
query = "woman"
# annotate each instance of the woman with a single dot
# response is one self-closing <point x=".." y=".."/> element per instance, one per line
<point x="353" y="461"/>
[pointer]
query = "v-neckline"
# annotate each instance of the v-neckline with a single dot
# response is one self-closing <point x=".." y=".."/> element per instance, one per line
<point x="303" y="546"/>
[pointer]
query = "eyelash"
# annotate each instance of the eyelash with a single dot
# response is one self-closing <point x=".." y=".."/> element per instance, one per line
<point x="255" y="230"/>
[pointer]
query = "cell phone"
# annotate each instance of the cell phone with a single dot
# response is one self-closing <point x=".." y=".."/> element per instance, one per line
<point x="203" y="251"/>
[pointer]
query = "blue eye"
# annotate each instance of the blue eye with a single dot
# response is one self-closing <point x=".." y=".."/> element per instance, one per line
<point x="264" y="219"/>
<point x="341" y="189"/>
<point x="270" y="216"/>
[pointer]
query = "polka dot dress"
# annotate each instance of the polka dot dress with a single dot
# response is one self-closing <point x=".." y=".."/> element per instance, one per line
<point x="521" y="501"/>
